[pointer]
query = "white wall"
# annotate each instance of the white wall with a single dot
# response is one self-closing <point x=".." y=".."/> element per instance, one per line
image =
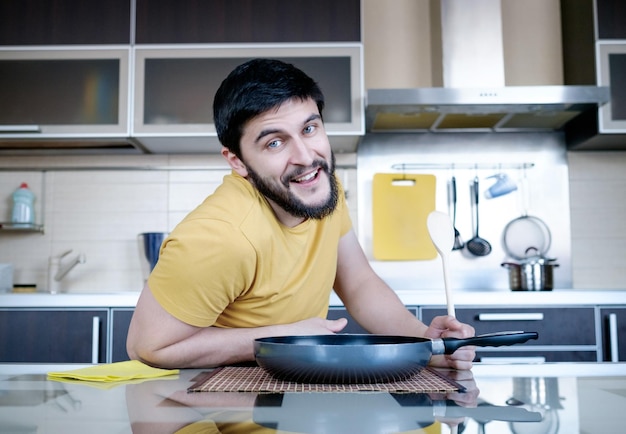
<point x="101" y="212"/>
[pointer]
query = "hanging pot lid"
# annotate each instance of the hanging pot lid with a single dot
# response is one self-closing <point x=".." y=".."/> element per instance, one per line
<point x="526" y="236"/>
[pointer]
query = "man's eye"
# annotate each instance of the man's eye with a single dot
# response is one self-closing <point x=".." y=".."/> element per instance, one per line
<point x="274" y="144"/>
<point x="309" y="129"/>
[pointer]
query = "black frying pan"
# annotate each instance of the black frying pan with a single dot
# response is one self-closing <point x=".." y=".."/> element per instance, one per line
<point x="351" y="358"/>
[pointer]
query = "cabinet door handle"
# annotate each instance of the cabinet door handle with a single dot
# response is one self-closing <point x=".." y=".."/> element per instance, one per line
<point x="613" y="337"/>
<point x="531" y="316"/>
<point x="20" y="129"/>
<point x="95" y="339"/>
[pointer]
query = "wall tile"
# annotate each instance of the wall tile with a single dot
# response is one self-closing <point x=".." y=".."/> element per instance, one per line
<point x="598" y="219"/>
<point x="101" y="212"/>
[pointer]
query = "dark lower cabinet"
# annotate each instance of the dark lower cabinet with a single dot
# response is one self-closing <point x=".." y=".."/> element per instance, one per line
<point x="120" y="320"/>
<point x="53" y="335"/>
<point x="84" y="335"/>
<point x="566" y="334"/>
<point x="613" y="325"/>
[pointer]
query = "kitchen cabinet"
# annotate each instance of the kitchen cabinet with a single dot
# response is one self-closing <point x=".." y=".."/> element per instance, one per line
<point x="53" y="335"/>
<point x="594" y="53"/>
<point x="174" y="90"/>
<point x="353" y="326"/>
<point x="612" y="70"/>
<point x="86" y="52"/>
<point x="84" y="94"/>
<point x="565" y="334"/>
<point x="613" y="326"/>
<point x="610" y="16"/>
<point x="571" y="324"/>
<point x="120" y="321"/>
<point x="247" y="21"/>
<point x="61" y="22"/>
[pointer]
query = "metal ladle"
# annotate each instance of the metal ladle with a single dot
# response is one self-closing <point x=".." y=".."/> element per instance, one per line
<point x="442" y="235"/>
<point x="458" y="241"/>
<point x="477" y="246"/>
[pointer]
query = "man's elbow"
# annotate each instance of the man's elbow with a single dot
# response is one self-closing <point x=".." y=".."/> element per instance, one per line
<point x="138" y="351"/>
<point x="133" y="350"/>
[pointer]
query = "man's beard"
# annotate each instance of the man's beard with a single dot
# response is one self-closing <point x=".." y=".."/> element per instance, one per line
<point x="284" y="198"/>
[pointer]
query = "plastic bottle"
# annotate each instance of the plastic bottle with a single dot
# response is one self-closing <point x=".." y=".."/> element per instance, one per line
<point x="23" y="209"/>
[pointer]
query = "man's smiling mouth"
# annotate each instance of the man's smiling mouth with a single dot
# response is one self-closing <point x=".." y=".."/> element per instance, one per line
<point x="307" y="177"/>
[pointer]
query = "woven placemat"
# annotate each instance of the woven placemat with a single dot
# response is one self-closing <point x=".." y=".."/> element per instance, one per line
<point x="255" y="379"/>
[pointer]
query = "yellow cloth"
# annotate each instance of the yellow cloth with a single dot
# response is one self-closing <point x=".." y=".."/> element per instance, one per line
<point x="113" y="372"/>
<point x="230" y="263"/>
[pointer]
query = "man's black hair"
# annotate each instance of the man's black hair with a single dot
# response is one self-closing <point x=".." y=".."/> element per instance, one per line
<point x="253" y="88"/>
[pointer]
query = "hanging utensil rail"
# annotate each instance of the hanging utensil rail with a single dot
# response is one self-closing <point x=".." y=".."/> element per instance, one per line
<point x="450" y="166"/>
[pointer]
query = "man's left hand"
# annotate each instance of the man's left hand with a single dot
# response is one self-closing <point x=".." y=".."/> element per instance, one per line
<point x="449" y="327"/>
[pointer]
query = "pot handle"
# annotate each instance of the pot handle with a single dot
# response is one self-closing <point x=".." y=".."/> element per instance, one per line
<point x="489" y="340"/>
<point x="510" y="265"/>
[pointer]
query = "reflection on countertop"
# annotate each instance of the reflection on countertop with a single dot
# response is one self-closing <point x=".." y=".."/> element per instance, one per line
<point x="547" y="398"/>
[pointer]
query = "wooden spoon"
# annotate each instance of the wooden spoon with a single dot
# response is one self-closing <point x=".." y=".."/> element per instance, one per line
<point x="441" y="233"/>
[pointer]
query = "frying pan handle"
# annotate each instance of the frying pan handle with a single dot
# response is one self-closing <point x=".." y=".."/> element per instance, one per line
<point x="489" y="340"/>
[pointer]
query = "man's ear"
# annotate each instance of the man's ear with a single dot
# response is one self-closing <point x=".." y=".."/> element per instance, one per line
<point x="235" y="163"/>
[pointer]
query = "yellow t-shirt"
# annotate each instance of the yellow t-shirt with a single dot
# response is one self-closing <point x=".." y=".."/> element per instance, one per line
<point x="231" y="263"/>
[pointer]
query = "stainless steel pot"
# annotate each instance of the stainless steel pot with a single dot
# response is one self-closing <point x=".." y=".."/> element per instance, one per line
<point x="535" y="273"/>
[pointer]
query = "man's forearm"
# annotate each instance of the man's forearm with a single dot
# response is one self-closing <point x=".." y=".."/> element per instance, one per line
<point x="213" y="346"/>
<point x="379" y="310"/>
<point x="209" y="347"/>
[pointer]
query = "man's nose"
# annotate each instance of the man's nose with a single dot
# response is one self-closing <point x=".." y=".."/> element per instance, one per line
<point x="301" y="152"/>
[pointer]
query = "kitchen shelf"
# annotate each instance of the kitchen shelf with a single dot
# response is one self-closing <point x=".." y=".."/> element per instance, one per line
<point x="20" y="227"/>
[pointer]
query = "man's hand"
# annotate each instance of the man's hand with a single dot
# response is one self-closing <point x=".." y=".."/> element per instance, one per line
<point x="449" y="327"/>
<point x="315" y="326"/>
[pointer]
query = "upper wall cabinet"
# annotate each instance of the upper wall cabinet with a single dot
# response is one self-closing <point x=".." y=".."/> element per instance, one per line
<point x="611" y="18"/>
<point x="247" y="21"/>
<point x="594" y="52"/>
<point x="63" y="93"/>
<point x="612" y="73"/>
<point x="136" y="76"/>
<point x="174" y="90"/>
<point x="63" y="22"/>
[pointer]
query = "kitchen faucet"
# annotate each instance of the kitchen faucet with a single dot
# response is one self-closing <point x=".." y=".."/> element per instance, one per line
<point x="57" y="270"/>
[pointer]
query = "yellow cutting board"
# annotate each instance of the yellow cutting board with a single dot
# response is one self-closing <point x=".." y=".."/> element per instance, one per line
<point x="401" y="203"/>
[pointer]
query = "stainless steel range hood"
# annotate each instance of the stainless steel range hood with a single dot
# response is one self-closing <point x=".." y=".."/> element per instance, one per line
<point x="474" y="97"/>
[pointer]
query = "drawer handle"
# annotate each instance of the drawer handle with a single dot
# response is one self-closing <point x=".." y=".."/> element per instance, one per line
<point x="95" y="339"/>
<point x="613" y="337"/>
<point x="494" y="360"/>
<point x="20" y="129"/>
<point x="510" y="316"/>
